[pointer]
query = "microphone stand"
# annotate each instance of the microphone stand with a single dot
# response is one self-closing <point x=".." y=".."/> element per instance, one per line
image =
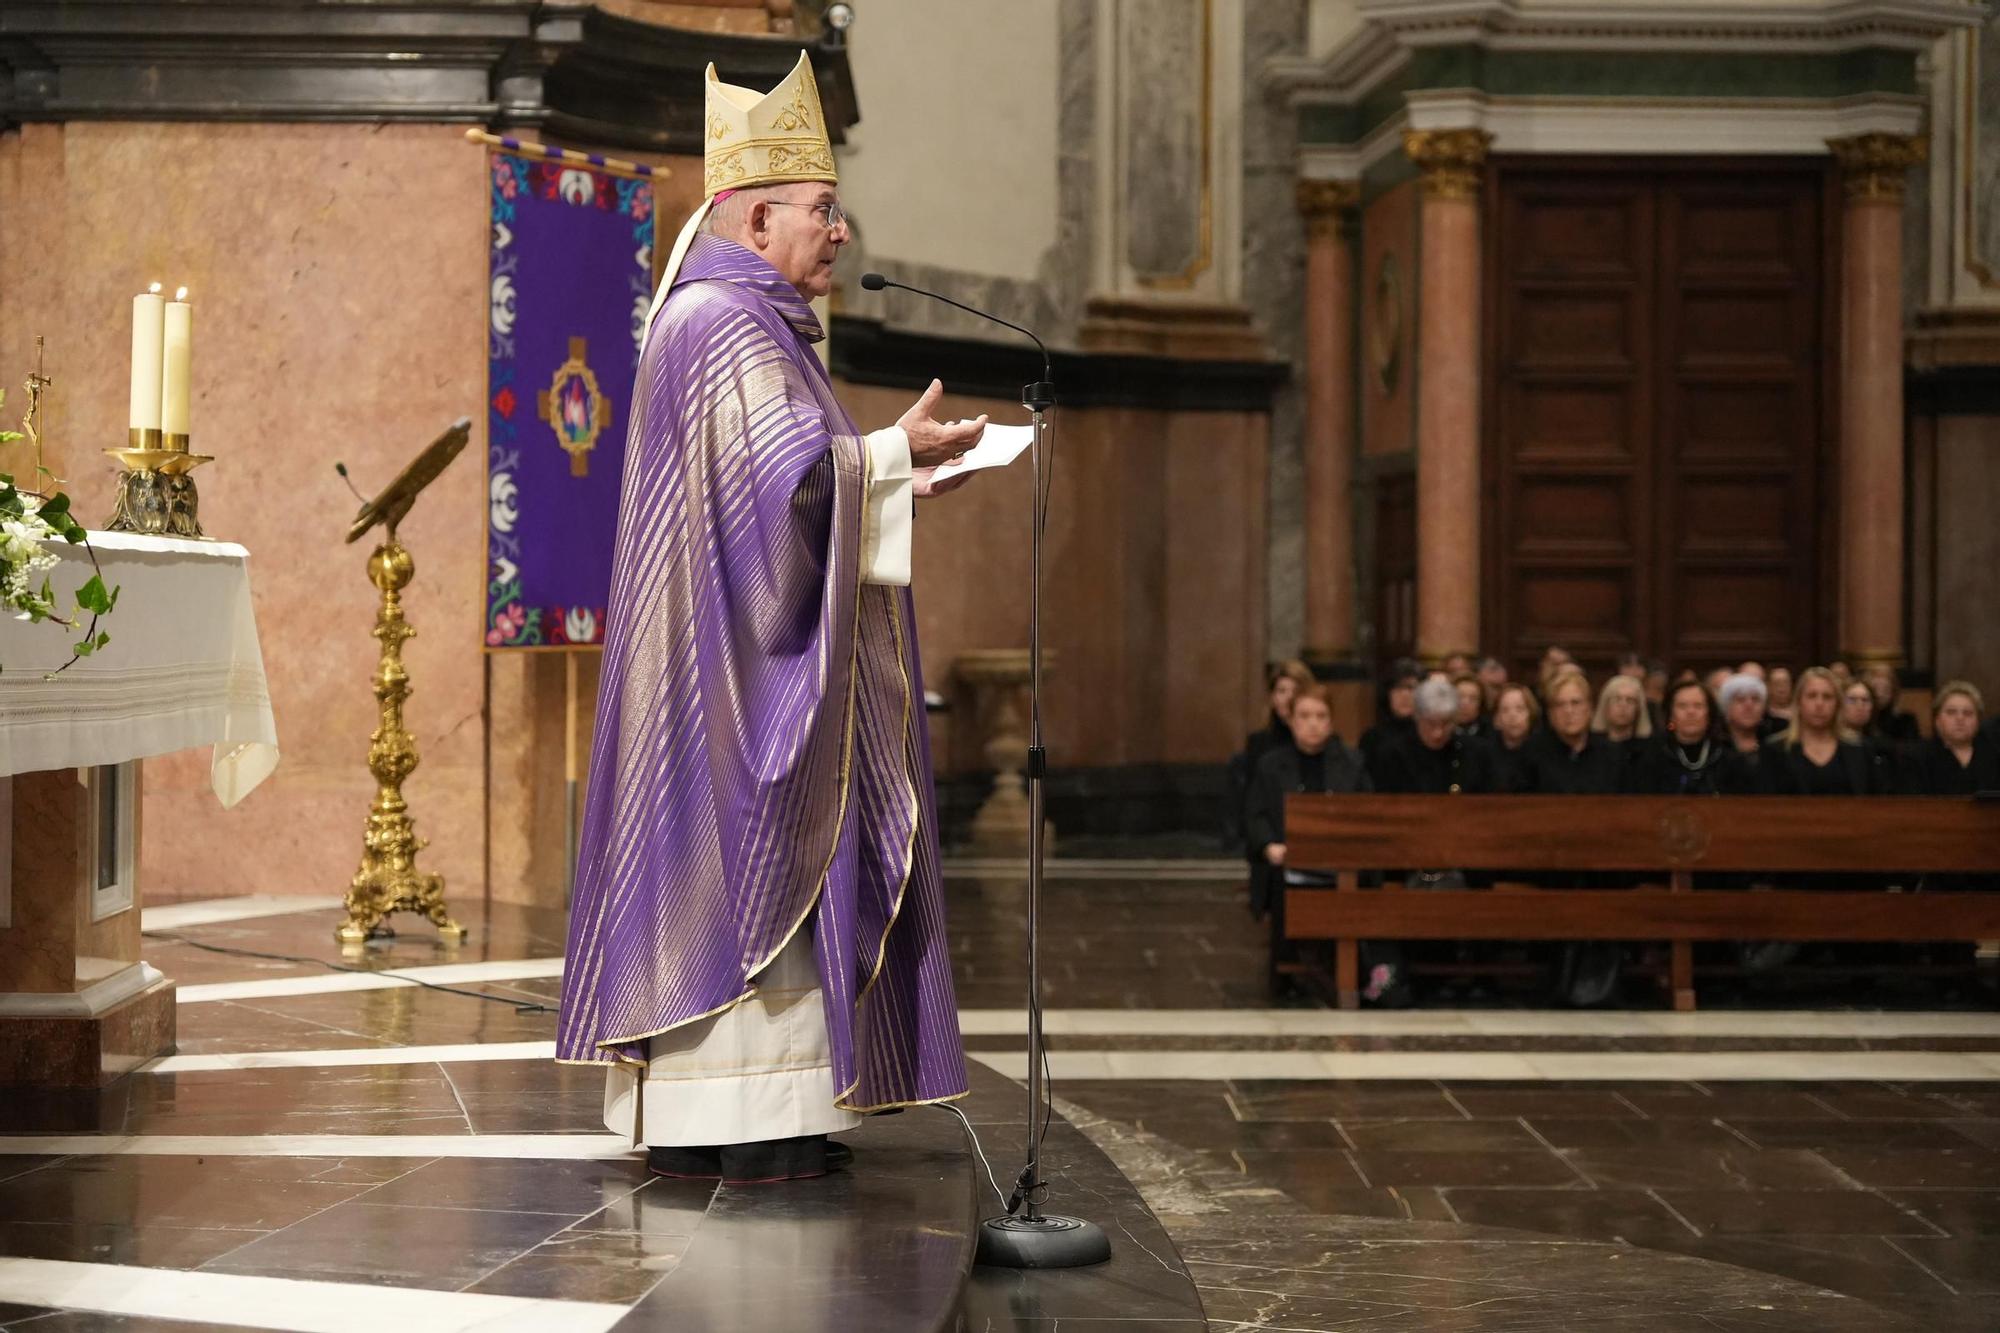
<point x="1025" y="1236"/>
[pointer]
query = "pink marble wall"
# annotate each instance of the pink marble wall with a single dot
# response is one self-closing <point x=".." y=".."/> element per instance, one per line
<point x="338" y="275"/>
<point x="1389" y="235"/>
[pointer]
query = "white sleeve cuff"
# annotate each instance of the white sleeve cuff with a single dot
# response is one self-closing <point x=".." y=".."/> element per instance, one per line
<point x="888" y="509"/>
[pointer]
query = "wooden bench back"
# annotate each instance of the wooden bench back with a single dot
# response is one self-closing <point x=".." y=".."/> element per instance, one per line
<point x="1656" y="833"/>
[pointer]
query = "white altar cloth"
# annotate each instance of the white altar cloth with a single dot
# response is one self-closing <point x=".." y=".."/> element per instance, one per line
<point x="183" y="667"/>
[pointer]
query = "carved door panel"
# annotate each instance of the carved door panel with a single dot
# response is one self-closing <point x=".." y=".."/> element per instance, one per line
<point x="1395" y="567"/>
<point x="1653" y="414"/>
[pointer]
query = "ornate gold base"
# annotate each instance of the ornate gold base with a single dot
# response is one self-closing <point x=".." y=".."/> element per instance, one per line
<point x="380" y="890"/>
<point x="156" y="493"/>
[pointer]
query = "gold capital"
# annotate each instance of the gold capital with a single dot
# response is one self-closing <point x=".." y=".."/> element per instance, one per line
<point x="1876" y="166"/>
<point x="1327" y="205"/>
<point x="1451" y="160"/>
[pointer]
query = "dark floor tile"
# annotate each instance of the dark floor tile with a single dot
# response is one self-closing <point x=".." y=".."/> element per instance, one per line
<point x="1263" y="1135"/>
<point x="120" y="1243"/>
<point x="578" y="1188"/>
<point x="1783" y="1212"/>
<point x="610" y="1266"/>
<point x="13" y="1166"/>
<point x="1960" y="1212"/>
<point x="396" y="1246"/>
<point x="1886" y="1135"/>
<point x="1541" y="1169"/>
<point x="1970" y="1264"/>
<point x="1871" y="1101"/>
<point x="1737" y="1168"/>
<point x="1632" y="1217"/>
<point x="249" y="1193"/>
<point x="536" y="1113"/>
<point x="1917" y="1168"/>
<point x="660" y="1207"/>
<point x="1463" y="1136"/>
<point x="1118" y="1099"/>
<point x="1869" y="1268"/>
<point x="1278" y="1100"/>
<point x="1609" y="1132"/>
<point x="1723" y="1100"/>
<point x="90" y="1321"/>
<point x="1539" y="1103"/>
<point x="1985" y="1133"/>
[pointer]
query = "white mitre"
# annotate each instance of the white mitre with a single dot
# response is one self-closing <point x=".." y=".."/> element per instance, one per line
<point x="752" y="138"/>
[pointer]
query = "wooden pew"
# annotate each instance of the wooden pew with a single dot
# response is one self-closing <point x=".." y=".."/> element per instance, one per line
<point x="1663" y="840"/>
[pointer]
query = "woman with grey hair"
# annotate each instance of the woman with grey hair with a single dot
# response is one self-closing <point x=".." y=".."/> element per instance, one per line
<point x="1432" y="756"/>
<point x="1742" y="698"/>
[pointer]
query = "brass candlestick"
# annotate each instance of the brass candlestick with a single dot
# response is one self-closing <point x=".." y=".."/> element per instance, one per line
<point x="156" y="491"/>
<point x="388" y="880"/>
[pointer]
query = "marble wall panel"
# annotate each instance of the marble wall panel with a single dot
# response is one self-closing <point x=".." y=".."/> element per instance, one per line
<point x="1968" y="551"/>
<point x="337" y="274"/>
<point x="38" y="949"/>
<point x="1388" y="281"/>
<point x="1163" y="49"/>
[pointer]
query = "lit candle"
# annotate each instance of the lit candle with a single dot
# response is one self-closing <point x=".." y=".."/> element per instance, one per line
<point x="148" y="311"/>
<point x="179" y="334"/>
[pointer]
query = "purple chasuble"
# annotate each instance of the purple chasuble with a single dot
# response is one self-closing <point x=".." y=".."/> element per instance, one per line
<point x="761" y="762"/>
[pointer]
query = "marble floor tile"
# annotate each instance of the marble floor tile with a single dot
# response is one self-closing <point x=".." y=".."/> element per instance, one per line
<point x="436" y="1248"/>
<point x="121" y="1243"/>
<point x="1624" y="1216"/>
<point x="1780" y="1212"/>
<point x="1869" y="1268"/>
<point x="568" y="1187"/>
<point x="1332" y="1099"/>
<point x="613" y="1266"/>
<point x="1919" y="1168"/>
<point x="1613" y="1132"/>
<point x="257" y="1194"/>
<point x="1884" y="1134"/>
<point x="1960" y="1212"/>
<point x="1720" y="1168"/>
<point x="1969" y="1264"/>
<point x="1521" y="1170"/>
<point x="1537" y="1102"/>
<point x="1425" y="1136"/>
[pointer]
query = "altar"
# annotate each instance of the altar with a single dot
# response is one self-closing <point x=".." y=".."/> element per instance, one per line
<point x="181" y="667"/>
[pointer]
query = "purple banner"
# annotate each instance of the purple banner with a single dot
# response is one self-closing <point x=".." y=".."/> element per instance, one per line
<point x="569" y="287"/>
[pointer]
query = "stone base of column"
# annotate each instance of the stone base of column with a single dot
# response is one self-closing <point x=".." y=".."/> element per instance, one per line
<point x="1184" y="330"/>
<point x="82" y="1050"/>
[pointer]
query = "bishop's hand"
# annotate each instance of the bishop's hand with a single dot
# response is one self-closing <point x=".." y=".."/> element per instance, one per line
<point x="933" y="442"/>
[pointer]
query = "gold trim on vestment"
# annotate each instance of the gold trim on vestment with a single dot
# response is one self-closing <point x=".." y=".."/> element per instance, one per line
<point x="909" y="861"/>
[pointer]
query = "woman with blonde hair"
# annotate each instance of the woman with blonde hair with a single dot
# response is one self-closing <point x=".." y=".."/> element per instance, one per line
<point x="1810" y="757"/>
<point x="1566" y="757"/>
<point x="1957" y="760"/>
<point x="1621" y="716"/>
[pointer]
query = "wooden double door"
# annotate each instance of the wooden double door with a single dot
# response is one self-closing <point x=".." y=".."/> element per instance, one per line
<point x="1659" y="429"/>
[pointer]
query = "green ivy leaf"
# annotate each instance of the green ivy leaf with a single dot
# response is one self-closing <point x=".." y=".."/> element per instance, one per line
<point x="103" y="639"/>
<point x="55" y="505"/>
<point x="93" y="597"/>
<point x="83" y="647"/>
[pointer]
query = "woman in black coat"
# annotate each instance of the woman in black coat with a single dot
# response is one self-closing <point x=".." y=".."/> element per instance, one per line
<point x="1690" y="757"/>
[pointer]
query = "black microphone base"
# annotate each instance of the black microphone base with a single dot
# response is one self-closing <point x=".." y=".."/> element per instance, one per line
<point x="1050" y="1241"/>
<point x="1039" y="396"/>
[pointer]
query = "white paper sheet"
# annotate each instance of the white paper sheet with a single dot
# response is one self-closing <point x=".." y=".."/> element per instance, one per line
<point x="998" y="446"/>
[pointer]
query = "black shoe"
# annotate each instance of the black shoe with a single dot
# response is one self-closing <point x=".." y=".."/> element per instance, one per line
<point x="770" y="1160"/>
<point x="685" y="1163"/>
<point x="838" y="1156"/>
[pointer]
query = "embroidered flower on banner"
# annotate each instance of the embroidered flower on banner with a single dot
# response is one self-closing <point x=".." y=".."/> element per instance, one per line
<point x="580" y="624"/>
<point x="641" y="307"/>
<point x="502" y="498"/>
<point x="503" y="402"/>
<point x="502" y="304"/>
<point x="508" y="623"/>
<point x="503" y="177"/>
<point x="577" y="187"/>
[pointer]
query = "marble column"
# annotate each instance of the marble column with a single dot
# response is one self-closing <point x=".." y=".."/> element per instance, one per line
<point x="1452" y="163"/>
<point x="1874" y="168"/>
<point x="1328" y="207"/>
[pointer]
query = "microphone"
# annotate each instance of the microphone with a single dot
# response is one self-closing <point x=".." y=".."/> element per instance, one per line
<point x="1039" y="396"/>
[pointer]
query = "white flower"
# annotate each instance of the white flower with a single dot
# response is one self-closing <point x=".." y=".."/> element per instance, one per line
<point x="503" y="236"/>
<point x="577" y="187"/>
<point x="501" y="496"/>
<point x="641" y="307"/>
<point x="580" y="624"/>
<point x="503" y="304"/>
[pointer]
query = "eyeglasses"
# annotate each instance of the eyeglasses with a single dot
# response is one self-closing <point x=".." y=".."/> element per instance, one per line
<point x="832" y="216"/>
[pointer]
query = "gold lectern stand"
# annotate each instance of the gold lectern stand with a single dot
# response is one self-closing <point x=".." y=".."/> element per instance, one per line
<point x="388" y="880"/>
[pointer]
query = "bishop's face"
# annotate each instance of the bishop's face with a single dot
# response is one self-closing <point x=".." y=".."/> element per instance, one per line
<point x="800" y="233"/>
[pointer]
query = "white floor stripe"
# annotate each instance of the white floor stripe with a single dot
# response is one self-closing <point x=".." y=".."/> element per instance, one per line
<point x="287" y="1303"/>
<point x="215" y="911"/>
<point x="1474" y="1023"/>
<point x="333" y="983"/>
<point x="1530" y="1066"/>
<point x="364" y="1055"/>
<point x="526" y="1147"/>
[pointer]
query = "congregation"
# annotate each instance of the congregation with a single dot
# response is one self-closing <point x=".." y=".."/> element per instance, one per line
<point x="1467" y="728"/>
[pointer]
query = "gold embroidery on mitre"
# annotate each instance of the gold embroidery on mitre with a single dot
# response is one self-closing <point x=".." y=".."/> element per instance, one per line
<point x="758" y="138"/>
